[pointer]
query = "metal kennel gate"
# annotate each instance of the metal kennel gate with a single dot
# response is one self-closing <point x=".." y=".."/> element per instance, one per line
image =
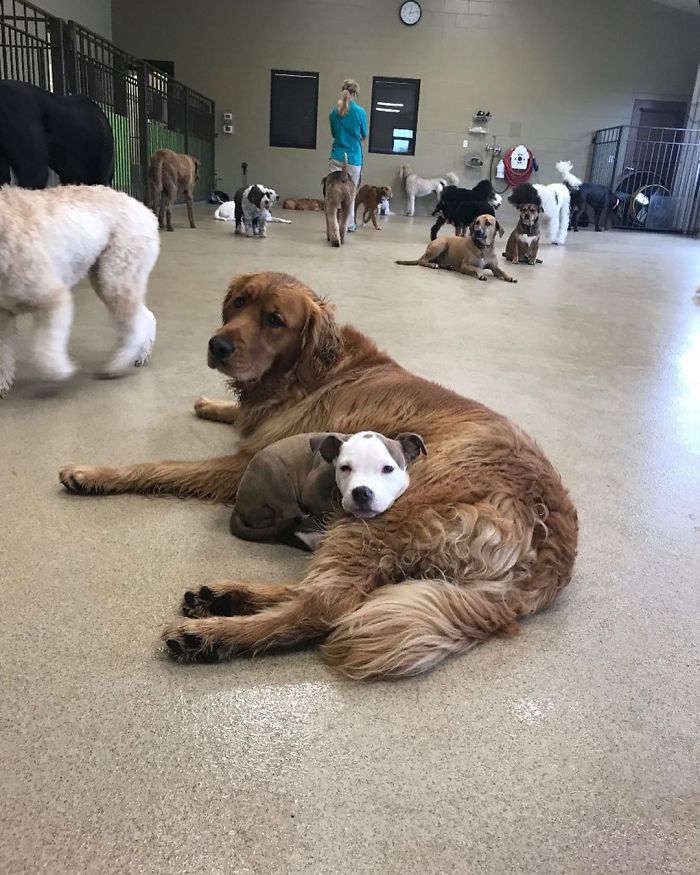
<point x="656" y="174"/>
<point x="147" y="109"/>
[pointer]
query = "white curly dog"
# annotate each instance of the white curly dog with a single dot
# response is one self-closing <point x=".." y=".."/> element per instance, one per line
<point x="417" y="186"/>
<point x="51" y="239"/>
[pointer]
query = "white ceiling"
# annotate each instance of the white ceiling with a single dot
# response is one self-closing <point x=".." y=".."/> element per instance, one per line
<point x="686" y="5"/>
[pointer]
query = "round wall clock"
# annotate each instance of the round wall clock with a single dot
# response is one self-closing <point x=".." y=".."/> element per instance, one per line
<point x="410" y="12"/>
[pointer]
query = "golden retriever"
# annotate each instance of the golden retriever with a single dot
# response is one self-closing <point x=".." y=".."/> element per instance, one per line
<point x="485" y="533"/>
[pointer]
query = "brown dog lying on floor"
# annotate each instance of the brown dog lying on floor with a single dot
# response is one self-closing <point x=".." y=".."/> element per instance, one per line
<point x="524" y="240"/>
<point x="339" y="191"/>
<point x="486" y="533"/>
<point x="369" y="197"/>
<point x="313" y="204"/>
<point x="468" y="255"/>
<point x="292" y="486"/>
<point x="172" y="174"/>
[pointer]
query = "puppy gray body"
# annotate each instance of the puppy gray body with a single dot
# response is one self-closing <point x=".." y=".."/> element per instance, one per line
<point x="284" y="483"/>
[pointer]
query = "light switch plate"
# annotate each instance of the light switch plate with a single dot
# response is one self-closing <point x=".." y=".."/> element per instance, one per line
<point x="465" y="144"/>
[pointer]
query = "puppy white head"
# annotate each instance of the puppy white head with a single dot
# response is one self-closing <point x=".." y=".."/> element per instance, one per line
<point x="495" y="200"/>
<point x="370" y="469"/>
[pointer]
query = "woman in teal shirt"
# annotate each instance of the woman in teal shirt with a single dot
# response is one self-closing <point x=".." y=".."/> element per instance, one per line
<point x="349" y="128"/>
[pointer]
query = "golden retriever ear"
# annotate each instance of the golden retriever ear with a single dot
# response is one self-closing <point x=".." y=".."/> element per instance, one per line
<point x="236" y="286"/>
<point x="471" y="228"/>
<point x="499" y="229"/>
<point x="321" y="344"/>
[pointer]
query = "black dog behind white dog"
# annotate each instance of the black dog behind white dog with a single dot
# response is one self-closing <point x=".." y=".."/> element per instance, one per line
<point x="600" y="198"/>
<point x="453" y="205"/>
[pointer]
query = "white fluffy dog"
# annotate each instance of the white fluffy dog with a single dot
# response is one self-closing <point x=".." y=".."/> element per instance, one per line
<point x="49" y="240"/>
<point x="556" y="203"/>
<point x="417" y="186"/>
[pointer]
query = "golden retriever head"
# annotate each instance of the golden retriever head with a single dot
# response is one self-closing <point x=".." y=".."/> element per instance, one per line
<point x="273" y="327"/>
<point x="483" y="231"/>
<point x="384" y="191"/>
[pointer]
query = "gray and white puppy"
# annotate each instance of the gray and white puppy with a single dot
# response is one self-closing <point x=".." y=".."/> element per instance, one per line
<point x="289" y="487"/>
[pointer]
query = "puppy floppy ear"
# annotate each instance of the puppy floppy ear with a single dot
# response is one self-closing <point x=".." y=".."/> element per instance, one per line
<point x="330" y="448"/>
<point x="499" y="229"/>
<point x="471" y="228"/>
<point x="321" y="344"/>
<point x="412" y="446"/>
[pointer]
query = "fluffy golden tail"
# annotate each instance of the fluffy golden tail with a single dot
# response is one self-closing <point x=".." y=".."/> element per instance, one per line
<point x="408" y="628"/>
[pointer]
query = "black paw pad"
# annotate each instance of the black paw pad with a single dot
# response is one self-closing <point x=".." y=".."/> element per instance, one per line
<point x="174" y="646"/>
<point x="190" y="599"/>
<point x="206" y="594"/>
<point x="193" y="642"/>
<point x="222" y="605"/>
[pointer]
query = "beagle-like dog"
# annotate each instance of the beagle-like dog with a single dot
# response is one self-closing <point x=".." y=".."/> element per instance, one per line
<point x="469" y="255"/>
<point x="524" y="240"/>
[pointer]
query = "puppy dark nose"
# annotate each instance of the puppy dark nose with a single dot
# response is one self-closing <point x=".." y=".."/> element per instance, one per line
<point x="362" y="495"/>
<point x="221" y="347"/>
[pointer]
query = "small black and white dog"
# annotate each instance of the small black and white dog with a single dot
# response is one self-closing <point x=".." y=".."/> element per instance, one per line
<point x="453" y="200"/>
<point x="588" y="194"/>
<point x="252" y="204"/>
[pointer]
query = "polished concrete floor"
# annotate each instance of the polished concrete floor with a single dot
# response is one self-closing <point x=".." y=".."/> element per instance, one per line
<point x="571" y="749"/>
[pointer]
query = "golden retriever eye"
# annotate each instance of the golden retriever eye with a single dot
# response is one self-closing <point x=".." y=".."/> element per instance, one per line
<point x="238" y="302"/>
<point x="274" y="320"/>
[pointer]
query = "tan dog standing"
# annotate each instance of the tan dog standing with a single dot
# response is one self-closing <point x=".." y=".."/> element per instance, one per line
<point x="369" y="197"/>
<point x="339" y="192"/>
<point x="172" y="174"/>
<point x="469" y="255"/>
<point x="524" y="240"/>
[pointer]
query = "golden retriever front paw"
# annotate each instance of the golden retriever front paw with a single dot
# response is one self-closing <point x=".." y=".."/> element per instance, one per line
<point x="79" y="480"/>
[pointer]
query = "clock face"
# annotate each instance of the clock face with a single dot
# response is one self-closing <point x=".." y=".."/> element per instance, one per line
<point x="410" y="12"/>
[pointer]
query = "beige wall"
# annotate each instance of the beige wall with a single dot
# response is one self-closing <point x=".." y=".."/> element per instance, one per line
<point x="560" y="68"/>
<point x="94" y="14"/>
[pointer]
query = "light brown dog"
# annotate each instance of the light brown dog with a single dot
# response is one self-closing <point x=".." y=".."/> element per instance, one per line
<point x="485" y="533"/>
<point x="172" y="174"/>
<point x="369" y="197"/>
<point x="468" y="255"/>
<point x="313" y="204"/>
<point x="524" y="240"/>
<point x="338" y="191"/>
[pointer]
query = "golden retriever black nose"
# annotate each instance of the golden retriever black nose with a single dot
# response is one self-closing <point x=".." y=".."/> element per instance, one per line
<point x="221" y="347"/>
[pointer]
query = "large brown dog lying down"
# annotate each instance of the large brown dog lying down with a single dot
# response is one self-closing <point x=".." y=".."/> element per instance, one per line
<point x="468" y="255"/>
<point x="313" y="204"/>
<point x="485" y="533"/>
<point x="172" y="174"/>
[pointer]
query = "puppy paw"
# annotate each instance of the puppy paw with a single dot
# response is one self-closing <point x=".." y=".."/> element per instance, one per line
<point x="78" y="480"/>
<point x="202" y="404"/>
<point x="511" y="279"/>
<point x="482" y="277"/>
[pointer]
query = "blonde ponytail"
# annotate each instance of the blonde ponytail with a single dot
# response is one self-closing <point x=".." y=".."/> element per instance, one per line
<point x="350" y="91"/>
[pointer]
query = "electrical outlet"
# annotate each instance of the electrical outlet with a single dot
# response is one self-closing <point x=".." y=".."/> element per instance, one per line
<point x="465" y="144"/>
